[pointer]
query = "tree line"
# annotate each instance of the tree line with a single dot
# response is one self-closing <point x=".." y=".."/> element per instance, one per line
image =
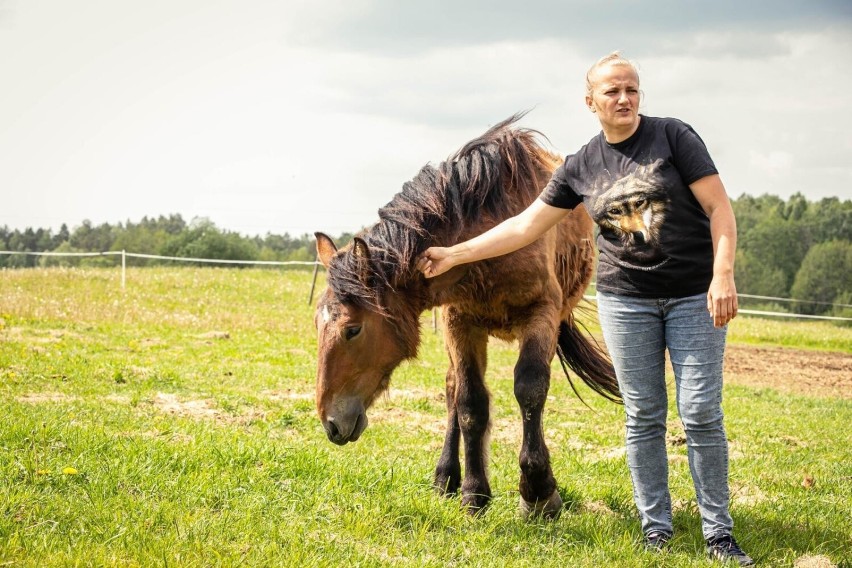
<point x="796" y="249"/>
<point x="161" y="236"/>
<point x="786" y="249"/>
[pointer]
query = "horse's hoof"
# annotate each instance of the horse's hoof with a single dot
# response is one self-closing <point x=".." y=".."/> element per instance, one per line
<point x="548" y="509"/>
<point x="446" y="485"/>
<point x="475" y="504"/>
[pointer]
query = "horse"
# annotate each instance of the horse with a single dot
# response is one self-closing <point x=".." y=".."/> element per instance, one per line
<point x="368" y="318"/>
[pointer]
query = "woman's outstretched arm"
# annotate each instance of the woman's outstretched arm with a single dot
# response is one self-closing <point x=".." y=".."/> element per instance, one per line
<point x="510" y="235"/>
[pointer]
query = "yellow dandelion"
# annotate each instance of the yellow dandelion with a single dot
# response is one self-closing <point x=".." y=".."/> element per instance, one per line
<point x="42" y="472"/>
<point x="70" y="471"/>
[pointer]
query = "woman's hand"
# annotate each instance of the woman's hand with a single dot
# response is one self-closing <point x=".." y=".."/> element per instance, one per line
<point x="722" y="299"/>
<point x="722" y="296"/>
<point x="435" y="261"/>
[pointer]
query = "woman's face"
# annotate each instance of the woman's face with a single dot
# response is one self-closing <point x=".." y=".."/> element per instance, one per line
<point x="615" y="99"/>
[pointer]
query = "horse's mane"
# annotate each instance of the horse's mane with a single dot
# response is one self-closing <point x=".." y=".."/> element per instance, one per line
<point x="436" y="206"/>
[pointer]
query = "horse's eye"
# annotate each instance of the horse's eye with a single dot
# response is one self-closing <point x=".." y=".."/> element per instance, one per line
<point x="351" y="332"/>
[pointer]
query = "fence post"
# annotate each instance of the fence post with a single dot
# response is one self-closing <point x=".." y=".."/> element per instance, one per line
<point x="313" y="283"/>
<point x="123" y="269"/>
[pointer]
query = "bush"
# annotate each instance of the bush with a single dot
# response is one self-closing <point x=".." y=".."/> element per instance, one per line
<point x="825" y="275"/>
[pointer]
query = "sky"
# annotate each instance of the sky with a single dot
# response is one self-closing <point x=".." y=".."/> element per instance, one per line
<point x="295" y="116"/>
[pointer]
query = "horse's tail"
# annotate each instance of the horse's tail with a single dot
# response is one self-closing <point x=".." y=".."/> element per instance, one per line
<point x="588" y="360"/>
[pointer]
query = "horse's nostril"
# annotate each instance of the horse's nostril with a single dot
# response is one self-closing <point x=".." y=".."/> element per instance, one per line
<point x="331" y="430"/>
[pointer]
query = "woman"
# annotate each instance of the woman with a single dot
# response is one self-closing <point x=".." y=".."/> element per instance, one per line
<point x="666" y="257"/>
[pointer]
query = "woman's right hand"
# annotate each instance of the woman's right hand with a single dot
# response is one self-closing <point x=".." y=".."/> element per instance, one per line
<point x="435" y="261"/>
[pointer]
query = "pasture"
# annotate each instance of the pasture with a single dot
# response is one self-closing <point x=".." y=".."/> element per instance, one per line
<point x="173" y="424"/>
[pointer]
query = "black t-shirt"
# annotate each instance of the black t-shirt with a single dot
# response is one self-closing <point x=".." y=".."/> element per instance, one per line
<point x="654" y="237"/>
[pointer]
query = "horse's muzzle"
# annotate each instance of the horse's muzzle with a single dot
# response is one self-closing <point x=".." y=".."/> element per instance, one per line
<point x="347" y="421"/>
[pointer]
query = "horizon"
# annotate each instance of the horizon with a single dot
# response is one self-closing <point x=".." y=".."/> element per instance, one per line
<point x="189" y="222"/>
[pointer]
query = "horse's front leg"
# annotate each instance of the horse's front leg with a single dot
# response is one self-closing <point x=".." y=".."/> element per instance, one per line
<point x="539" y="496"/>
<point x="466" y="345"/>
<point x="448" y="470"/>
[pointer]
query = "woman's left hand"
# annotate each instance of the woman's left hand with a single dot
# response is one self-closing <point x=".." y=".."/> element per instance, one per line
<point x="722" y="296"/>
<point x="722" y="300"/>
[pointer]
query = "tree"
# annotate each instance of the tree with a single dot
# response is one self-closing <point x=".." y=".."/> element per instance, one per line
<point x="23" y="242"/>
<point x="64" y="235"/>
<point x="829" y="219"/>
<point x="204" y="240"/>
<point x="779" y="245"/>
<point x="796" y="207"/>
<point x="750" y="211"/>
<point x="64" y="261"/>
<point x="93" y="239"/>
<point x="758" y="278"/>
<point x="825" y="275"/>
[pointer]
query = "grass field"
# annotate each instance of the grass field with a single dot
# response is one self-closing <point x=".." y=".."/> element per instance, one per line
<point x="173" y="424"/>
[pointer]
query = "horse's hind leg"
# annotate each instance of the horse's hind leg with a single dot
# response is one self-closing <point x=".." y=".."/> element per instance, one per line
<point x="466" y="345"/>
<point x="448" y="470"/>
<point x="539" y="496"/>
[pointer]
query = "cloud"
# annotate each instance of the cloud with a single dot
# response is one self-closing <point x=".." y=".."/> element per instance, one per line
<point x="774" y="164"/>
<point x="593" y="27"/>
<point x="298" y="115"/>
<point x="470" y="86"/>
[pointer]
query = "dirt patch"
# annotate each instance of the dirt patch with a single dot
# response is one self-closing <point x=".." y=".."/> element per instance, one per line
<point x="813" y="562"/>
<point x="44" y="337"/>
<point x="598" y="508"/>
<point x="435" y="426"/>
<point x="42" y="397"/>
<point x="436" y="395"/>
<point x="214" y="335"/>
<point x="747" y="495"/>
<point x="795" y="371"/>
<point x="287" y="394"/>
<point x="204" y="409"/>
<point x="170" y="404"/>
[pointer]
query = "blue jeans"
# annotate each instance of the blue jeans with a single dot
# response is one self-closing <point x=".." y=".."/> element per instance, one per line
<point x="637" y="332"/>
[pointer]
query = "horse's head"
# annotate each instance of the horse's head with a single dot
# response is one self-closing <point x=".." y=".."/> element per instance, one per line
<point x="358" y="347"/>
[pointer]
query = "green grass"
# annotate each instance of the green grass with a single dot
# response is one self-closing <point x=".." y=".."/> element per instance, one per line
<point x="132" y="435"/>
<point x="797" y="333"/>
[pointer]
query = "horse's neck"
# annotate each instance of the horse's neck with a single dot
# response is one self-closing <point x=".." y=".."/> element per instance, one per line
<point x="444" y="289"/>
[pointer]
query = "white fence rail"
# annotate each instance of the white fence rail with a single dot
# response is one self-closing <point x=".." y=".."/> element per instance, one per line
<point x="124" y="255"/>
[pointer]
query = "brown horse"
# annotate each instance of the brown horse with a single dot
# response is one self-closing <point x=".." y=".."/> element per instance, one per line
<point x="368" y="318"/>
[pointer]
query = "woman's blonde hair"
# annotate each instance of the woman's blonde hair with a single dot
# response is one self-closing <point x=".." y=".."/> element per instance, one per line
<point x="614" y="58"/>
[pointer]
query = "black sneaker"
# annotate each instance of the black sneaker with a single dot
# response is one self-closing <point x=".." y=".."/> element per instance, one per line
<point x="656" y="541"/>
<point x="725" y="548"/>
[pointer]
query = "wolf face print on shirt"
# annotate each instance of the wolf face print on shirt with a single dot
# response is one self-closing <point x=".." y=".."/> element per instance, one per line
<point x="634" y="208"/>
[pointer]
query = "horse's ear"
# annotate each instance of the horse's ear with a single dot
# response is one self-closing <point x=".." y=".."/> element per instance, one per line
<point x="325" y="248"/>
<point x="361" y="249"/>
